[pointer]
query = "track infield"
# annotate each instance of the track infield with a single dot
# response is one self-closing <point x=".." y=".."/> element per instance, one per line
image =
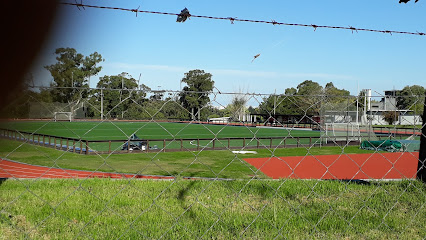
<point x="401" y="165"/>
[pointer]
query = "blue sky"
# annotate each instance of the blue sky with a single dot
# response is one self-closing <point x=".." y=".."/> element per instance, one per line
<point x="162" y="50"/>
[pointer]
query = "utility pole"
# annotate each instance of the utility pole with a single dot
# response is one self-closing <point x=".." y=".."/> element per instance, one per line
<point x="102" y="104"/>
<point x="275" y="102"/>
<point x="421" y="166"/>
<point x="357" y="102"/>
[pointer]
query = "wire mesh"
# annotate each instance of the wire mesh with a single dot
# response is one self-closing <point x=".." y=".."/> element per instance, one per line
<point x="146" y="166"/>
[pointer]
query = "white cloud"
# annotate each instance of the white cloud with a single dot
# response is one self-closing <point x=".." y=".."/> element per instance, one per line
<point x="131" y="66"/>
<point x="232" y="72"/>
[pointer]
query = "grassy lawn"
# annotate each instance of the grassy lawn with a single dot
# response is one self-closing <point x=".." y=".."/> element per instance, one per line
<point x="205" y="163"/>
<point x="295" y="209"/>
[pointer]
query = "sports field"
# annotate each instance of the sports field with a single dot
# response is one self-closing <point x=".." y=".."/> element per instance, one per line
<point x="160" y="131"/>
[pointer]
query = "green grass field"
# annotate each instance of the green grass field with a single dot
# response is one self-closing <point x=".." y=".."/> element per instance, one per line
<point x="251" y="207"/>
<point x="203" y="163"/>
<point x="172" y="132"/>
<point x="290" y="209"/>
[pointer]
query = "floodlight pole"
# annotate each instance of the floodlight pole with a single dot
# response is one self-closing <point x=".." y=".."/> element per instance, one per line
<point x="421" y="166"/>
<point x="275" y="102"/>
<point x="357" y="108"/>
<point x="102" y="104"/>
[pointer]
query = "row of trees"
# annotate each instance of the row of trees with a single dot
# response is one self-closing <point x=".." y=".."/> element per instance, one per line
<point x="121" y="96"/>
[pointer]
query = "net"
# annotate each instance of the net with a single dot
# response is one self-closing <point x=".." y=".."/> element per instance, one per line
<point x="347" y="132"/>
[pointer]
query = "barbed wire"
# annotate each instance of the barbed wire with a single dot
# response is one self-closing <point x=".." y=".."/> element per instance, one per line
<point x="235" y="19"/>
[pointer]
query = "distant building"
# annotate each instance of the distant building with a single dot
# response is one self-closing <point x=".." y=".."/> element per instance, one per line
<point x="388" y="102"/>
<point x="373" y="112"/>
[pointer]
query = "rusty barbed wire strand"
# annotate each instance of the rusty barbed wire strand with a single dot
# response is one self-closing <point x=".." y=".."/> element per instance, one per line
<point x="234" y="19"/>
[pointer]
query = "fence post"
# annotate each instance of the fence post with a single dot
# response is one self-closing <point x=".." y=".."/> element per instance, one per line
<point x="421" y="165"/>
<point x="147" y="145"/>
<point x="229" y="143"/>
<point x="198" y="144"/>
<point x="213" y="143"/>
<point x="73" y="145"/>
<point x="181" y="144"/>
<point x="81" y="146"/>
<point x="270" y="143"/>
<point x="109" y="146"/>
<point x="164" y="145"/>
<point x="87" y="147"/>
<point x="257" y="143"/>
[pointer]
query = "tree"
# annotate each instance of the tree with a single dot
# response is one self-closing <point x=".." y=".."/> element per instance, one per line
<point x="119" y="93"/>
<point x="390" y="116"/>
<point x="237" y="108"/>
<point x="308" y="98"/>
<point x="412" y="98"/>
<point x="72" y="70"/>
<point x="195" y="95"/>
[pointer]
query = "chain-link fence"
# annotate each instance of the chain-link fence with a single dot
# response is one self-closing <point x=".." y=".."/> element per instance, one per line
<point x="135" y="163"/>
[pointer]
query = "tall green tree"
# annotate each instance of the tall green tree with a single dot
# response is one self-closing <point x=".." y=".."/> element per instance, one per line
<point x="412" y="97"/>
<point x="309" y="97"/>
<point x="195" y="95"/>
<point x="119" y="93"/>
<point x="72" y="70"/>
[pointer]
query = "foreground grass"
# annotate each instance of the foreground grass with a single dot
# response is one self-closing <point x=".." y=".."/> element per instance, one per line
<point x="223" y="164"/>
<point x="258" y="209"/>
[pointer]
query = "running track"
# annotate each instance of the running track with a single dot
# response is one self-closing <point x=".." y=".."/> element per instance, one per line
<point x="350" y="166"/>
<point x="12" y="169"/>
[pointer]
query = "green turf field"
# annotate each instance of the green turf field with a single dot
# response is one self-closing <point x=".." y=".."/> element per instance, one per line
<point x="172" y="132"/>
<point x="148" y="130"/>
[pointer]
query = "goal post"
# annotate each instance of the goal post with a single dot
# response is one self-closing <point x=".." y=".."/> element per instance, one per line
<point x="62" y="116"/>
<point x="349" y="132"/>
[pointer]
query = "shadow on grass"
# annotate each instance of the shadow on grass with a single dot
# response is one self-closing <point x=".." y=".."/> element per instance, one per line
<point x="354" y="181"/>
<point x="182" y="195"/>
<point x="2" y="180"/>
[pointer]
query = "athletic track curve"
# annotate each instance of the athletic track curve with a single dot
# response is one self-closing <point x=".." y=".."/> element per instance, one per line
<point x="12" y="169"/>
<point x="346" y="166"/>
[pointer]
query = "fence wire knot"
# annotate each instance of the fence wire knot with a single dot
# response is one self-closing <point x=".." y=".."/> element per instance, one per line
<point x="78" y="5"/>
<point x="353" y="29"/>
<point x="232" y="20"/>
<point x="136" y="10"/>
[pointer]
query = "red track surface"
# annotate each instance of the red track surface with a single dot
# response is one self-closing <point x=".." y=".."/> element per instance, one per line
<point x="11" y="169"/>
<point x="351" y="166"/>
